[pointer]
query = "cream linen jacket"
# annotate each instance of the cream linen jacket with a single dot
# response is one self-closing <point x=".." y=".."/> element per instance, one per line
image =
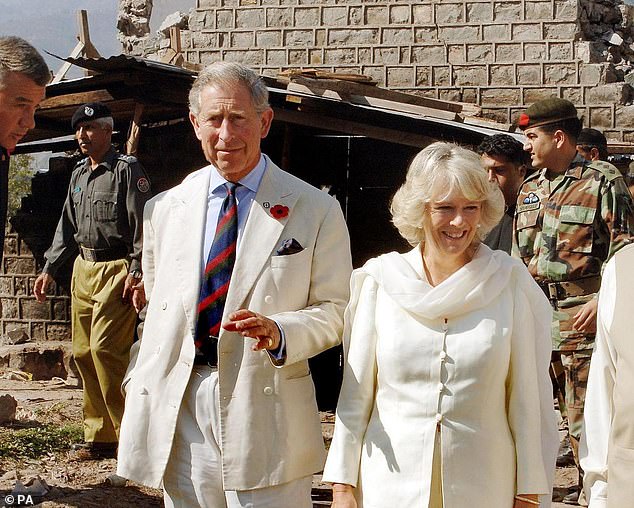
<point x="269" y="424"/>
<point x="470" y="355"/>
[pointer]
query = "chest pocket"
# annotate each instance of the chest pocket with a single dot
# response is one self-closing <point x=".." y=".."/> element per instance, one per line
<point x="77" y="197"/>
<point x="575" y="228"/>
<point x="104" y="206"/>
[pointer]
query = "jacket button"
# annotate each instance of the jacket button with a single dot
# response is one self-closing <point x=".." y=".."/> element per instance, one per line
<point x="438" y="417"/>
<point x="440" y="387"/>
<point x="268" y="390"/>
<point x="268" y="299"/>
<point x="164" y="305"/>
<point x="443" y="355"/>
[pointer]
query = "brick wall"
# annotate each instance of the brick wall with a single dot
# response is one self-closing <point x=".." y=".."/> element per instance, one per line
<point x="502" y="55"/>
<point x="48" y="321"/>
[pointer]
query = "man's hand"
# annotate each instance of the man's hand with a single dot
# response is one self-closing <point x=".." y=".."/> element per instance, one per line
<point x="255" y="326"/>
<point x="586" y="318"/>
<point x="342" y="496"/>
<point x="129" y="286"/>
<point x="525" y="501"/>
<point x="42" y="283"/>
<point x="138" y="296"/>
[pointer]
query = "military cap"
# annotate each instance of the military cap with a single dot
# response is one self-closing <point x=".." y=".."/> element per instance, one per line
<point x="592" y="137"/>
<point x="90" y="111"/>
<point x="548" y="111"/>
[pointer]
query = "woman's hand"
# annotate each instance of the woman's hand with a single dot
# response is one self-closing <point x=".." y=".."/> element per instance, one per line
<point x="342" y="496"/>
<point x="526" y="501"/>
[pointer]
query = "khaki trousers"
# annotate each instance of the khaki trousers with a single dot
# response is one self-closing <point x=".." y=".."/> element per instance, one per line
<point x="103" y="331"/>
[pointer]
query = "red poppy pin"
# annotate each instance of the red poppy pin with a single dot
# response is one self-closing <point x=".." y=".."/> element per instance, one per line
<point x="279" y="211"/>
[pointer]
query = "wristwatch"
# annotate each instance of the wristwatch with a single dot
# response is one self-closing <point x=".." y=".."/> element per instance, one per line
<point x="136" y="274"/>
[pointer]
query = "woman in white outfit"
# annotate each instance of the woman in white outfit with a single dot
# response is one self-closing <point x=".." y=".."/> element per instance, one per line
<point x="446" y="399"/>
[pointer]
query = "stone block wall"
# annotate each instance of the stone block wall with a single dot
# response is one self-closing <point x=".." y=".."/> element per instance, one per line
<point x="502" y="55"/>
<point x="48" y="321"/>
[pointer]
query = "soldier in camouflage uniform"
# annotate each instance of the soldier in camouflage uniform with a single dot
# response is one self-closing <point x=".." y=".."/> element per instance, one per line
<point x="571" y="217"/>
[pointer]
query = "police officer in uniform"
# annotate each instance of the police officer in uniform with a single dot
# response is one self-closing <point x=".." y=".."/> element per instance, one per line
<point x="100" y="227"/>
<point x="571" y="217"/>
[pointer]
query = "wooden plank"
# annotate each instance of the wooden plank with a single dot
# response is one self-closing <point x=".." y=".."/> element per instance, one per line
<point x="84" y="36"/>
<point x="377" y="102"/>
<point x="79" y="48"/>
<point x="75" y="99"/>
<point x="132" y="144"/>
<point x="346" y="87"/>
<point x="490" y="124"/>
<point x="175" y="39"/>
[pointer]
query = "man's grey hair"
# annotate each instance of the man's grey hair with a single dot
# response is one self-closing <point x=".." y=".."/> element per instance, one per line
<point x="17" y="55"/>
<point x="225" y="75"/>
<point x="106" y="121"/>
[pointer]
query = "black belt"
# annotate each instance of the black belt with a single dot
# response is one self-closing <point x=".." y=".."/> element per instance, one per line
<point x="98" y="255"/>
<point x="209" y="357"/>
<point x="563" y="290"/>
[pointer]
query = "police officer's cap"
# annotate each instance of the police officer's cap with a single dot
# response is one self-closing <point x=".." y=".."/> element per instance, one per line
<point x="592" y="137"/>
<point x="545" y="112"/>
<point x="90" y="111"/>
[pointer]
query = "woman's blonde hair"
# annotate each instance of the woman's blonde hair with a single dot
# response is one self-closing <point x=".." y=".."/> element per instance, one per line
<point x="435" y="172"/>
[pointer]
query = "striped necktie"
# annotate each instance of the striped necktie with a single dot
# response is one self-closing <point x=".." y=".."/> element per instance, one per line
<point x="215" y="284"/>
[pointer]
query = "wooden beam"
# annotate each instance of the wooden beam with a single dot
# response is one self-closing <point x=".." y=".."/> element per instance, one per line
<point x="352" y="88"/>
<point x="377" y="102"/>
<point x="83" y="47"/>
<point x="77" y="51"/>
<point x="75" y="99"/>
<point x="132" y="144"/>
<point x="174" y="54"/>
<point x="84" y="35"/>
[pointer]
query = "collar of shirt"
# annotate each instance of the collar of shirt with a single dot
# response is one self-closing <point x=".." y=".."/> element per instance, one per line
<point x="245" y="194"/>
<point x="107" y="162"/>
<point x="575" y="169"/>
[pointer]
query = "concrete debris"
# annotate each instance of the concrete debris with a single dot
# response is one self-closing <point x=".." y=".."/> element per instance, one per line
<point x="17" y="336"/>
<point x="613" y="38"/>
<point x="133" y="22"/>
<point x="175" y="20"/>
<point x="116" y="481"/>
<point x="43" y="361"/>
<point x="17" y="375"/>
<point x="9" y="475"/>
<point x="8" y="406"/>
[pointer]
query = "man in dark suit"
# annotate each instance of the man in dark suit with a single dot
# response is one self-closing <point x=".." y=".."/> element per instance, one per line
<point x="506" y="162"/>
<point x="23" y="79"/>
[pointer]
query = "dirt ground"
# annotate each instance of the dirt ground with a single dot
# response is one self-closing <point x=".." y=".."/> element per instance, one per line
<point x="86" y="484"/>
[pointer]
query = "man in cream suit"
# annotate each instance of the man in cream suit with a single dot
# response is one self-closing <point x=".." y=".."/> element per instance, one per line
<point x="607" y="444"/>
<point x="231" y="420"/>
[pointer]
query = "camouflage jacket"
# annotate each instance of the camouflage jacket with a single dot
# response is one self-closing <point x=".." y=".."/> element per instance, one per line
<point x="568" y="226"/>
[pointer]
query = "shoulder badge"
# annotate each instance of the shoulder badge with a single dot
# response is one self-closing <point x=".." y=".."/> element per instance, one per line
<point x="143" y="185"/>
<point x="606" y="169"/>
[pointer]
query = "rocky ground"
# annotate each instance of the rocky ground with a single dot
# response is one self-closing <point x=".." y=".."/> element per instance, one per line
<point x="68" y="483"/>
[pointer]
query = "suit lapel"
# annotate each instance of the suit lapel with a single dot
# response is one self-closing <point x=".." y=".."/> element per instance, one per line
<point x="261" y="234"/>
<point x="189" y="212"/>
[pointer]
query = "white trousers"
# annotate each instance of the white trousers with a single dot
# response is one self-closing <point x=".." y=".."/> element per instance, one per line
<point x="193" y="477"/>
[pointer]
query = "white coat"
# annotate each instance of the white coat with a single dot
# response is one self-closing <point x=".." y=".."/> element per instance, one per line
<point x="270" y="429"/>
<point x="470" y="355"/>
